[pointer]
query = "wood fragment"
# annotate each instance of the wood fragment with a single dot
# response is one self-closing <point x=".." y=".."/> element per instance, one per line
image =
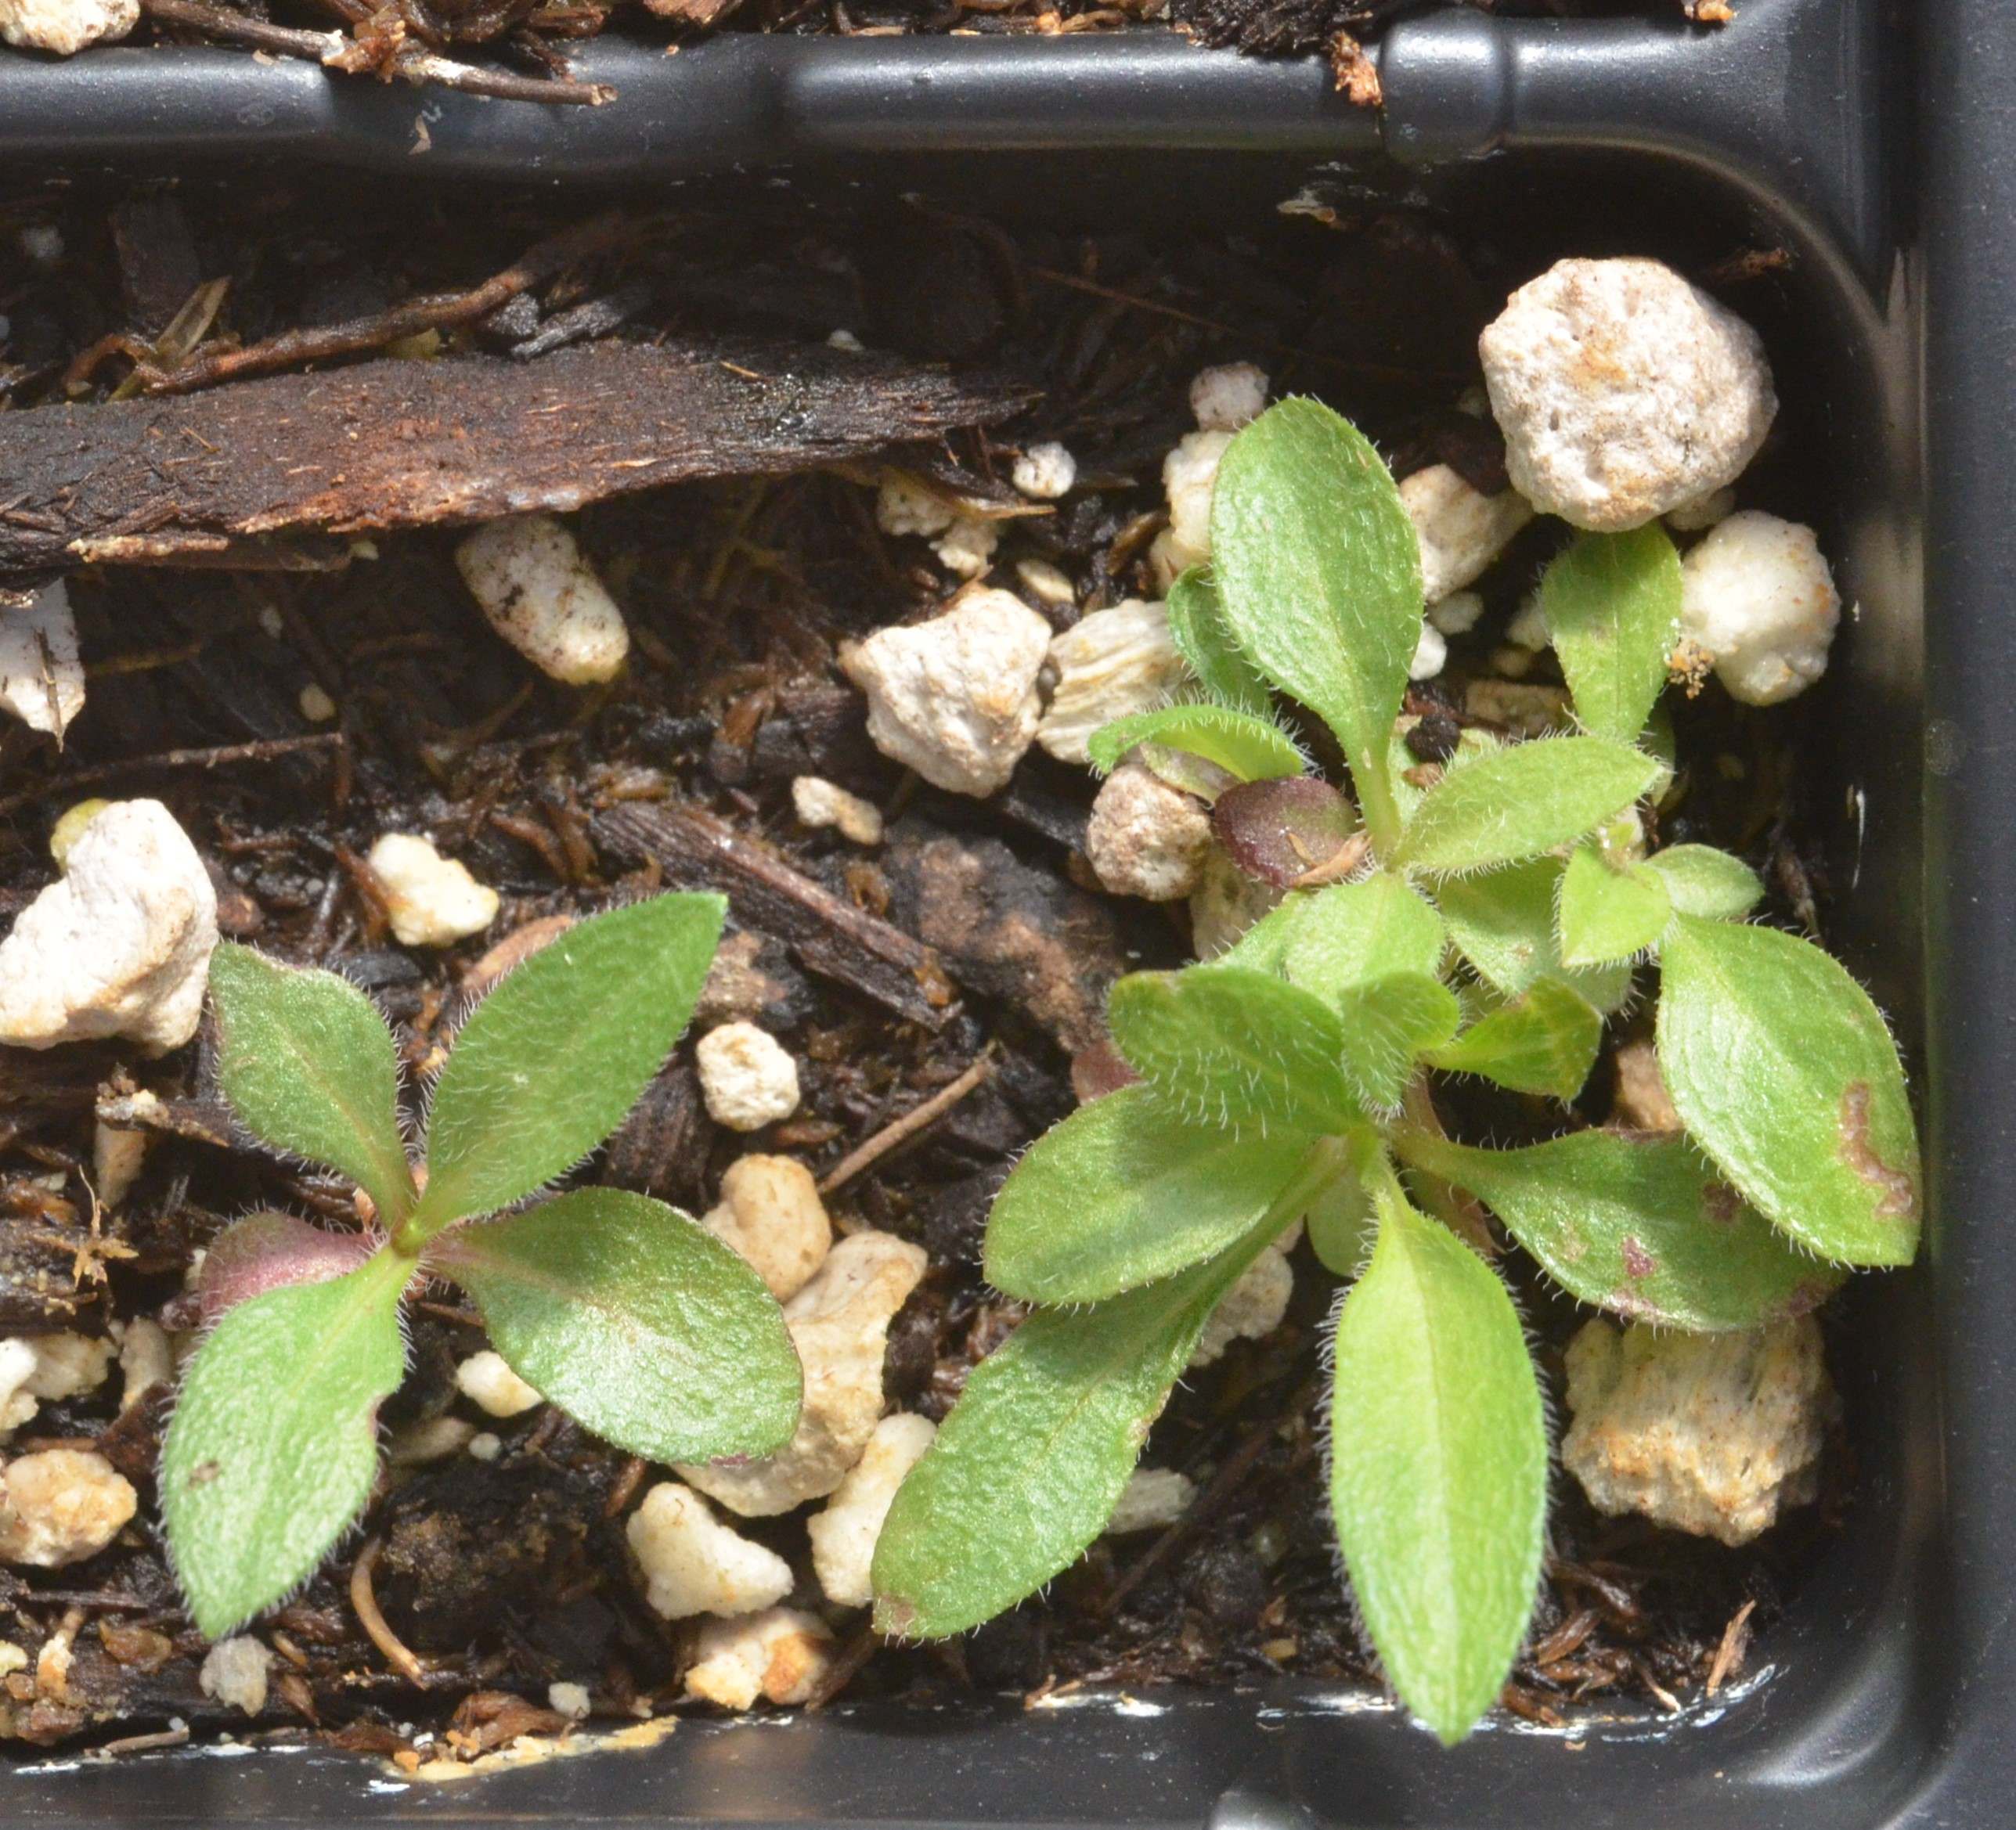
<point x="695" y="850"/>
<point x="900" y="1130"/>
<point x="1734" y="1647"/>
<point x="264" y="750"/>
<point x="387" y="444"/>
<point x="364" y="1602"/>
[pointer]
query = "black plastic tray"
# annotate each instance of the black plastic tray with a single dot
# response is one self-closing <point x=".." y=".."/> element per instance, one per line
<point x="1881" y="155"/>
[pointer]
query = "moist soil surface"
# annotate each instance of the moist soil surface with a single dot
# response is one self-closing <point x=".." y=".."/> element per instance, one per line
<point x="502" y="1576"/>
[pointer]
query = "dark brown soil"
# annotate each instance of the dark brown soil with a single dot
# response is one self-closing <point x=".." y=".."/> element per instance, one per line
<point x="506" y="1576"/>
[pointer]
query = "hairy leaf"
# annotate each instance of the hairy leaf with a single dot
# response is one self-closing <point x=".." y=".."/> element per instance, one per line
<point x="1352" y="934"/>
<point x="1318" y="571"/>
<point x="635" y="1320"/>
<point x="1783" y="1071"/>
<point x="1197" y="625"/>
<point x="1235" y="1048"/>
<point x="1544" y="1043"/>
<point x="559" y="1052"/>
<point x="1027" y="1469"/>
<point x="1503" y="923"/>
<point x="1703" y="881"/>
<point x="1389" y="1023"/>
<point x="1612" y="603"/>
<point x="1279" y="831"/>
<point x="1638" y="1225"/>
<point x="1517" y="802"/>
<point x="1238" y="742"/>
<point x="1609" y="913"/>
<point x="1342" y="1225"/>
<point x="1123" y="1192"/>
<point x="1438" y="1467"/>
<point x="274" y="1444"/>
<point x="308" y="1064"/>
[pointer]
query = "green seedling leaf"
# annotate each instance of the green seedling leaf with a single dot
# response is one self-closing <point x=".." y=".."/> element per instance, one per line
<point x="1318" y="572"/>
<point x="1784" y="1071"/>
<point x="1238" y="742"/>
<point x="635" y="1320"/>
<point x="308" y="1064"/>
<point x="1503" y="923"/>
<point x="1027" y="1469"/>
<point x="1342" y="1225"/>
<point x="1236" y="1049"/>
<point x="559" y="1052"/>
<point x="1438" y="1467"/>
<point x="269" y="1251"/>
<point x="1472" y="742"/>
<point x="1518" y="802"/>
<point x="1607" y="913"/>
<point x="1197" y="625"/>
<point x="1544" y="1043"/>
<point x="1705" y="882"/>
<point x="1278" y="832"/>
<point x="1390" y="1023"/>
<point x="1639" y="1226"/>
<point x="1263" y="946"/>
<point x="1352" y="935"/>
<point x="1613" y="606"/>
<point x="273" y="1445"/>
<point x="1124" y="1192"/>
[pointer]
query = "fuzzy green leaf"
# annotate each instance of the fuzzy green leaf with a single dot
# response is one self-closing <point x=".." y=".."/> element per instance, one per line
<point x="274" y="1444"/>
<point x="1352" y="934"/>
<point x="1612" y="603"/>
<point x="1342" y="1225"/>
<point x="1503" y="923"/>
<point x="1245" y="745"/>
<point x="1784" y="1071"/>
<point x="1545" y="1042"/>
<point x="1705" y="882"/>
<point x="1608" y="914"/>
<point x="1517" y="802"/>
<point x="1638" y="1225"/>
<point x="1027" y="1469"/>
<point x="1389" y="1024"/>
<point x="1318" y="571"/>
<point x="1438" y="1467"/>
<point x="635" y="1320"/>
<point x="1123" y="1192"/>
<point x="308" y="1064"/>
<point x="1197" y="625"/>
<point x="559" y="1052"/>
<point x="1236" y="1049"/>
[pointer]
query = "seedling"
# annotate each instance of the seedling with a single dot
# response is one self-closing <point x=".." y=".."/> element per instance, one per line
<point x="624" y="1312"/>
<point x="1475" y="916"/>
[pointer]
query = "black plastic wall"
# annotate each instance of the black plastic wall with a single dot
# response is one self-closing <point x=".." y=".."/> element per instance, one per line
<point x="1879" y="153"/>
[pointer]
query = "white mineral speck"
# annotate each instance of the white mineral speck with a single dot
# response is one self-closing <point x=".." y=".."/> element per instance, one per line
<point x="42" y="679"/>
<point x="694" y="1564"/>
<point x="1044" y="472"/>
<point x="543" y="597"/>
<point x="1756" y="597"/>
<point x="747" y="1077"/>
<point x="433" y="901"/>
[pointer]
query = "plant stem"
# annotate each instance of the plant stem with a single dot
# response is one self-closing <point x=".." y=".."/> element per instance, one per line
<point x="1442" y="1199"/>
<point x="1376" y="803"/>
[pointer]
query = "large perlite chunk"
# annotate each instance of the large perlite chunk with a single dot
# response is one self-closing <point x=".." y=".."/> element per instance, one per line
<point x="844" y="1534"/>
<point x="1623" y="391"/>
<point x="41" y="678"/>
<point x="1712" y="1434"/>
<point x="1758" y="600"/>
<point x="781" y="1655"/>
<point x="748" y="1077"/>
<point x="1189" y="478"/>
<point x="770" y="1213"/>
<point x="839" y="1324"/>
<point x="120" y="945"/>
<point x="1109" y="665"/>
<point x="1145" y="838"/>
<point x="542" y="597"/>
<point x="430" y="900"/>
<point x="955" y="698"/>
<point x="694" y="1564"/>
<point x="60" y="1506"/>
<point x="64" y="27"/>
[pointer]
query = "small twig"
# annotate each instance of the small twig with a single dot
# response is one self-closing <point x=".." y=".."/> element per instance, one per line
<point x="441" y="312"/>
<point x="845" y="1669"/>
<point x="365" y="1602"/>
<point x="338" y="51"/>
<point x="265" y="750"/>
<point x="140" y="1744"/>
<point x="908" y="1125"/>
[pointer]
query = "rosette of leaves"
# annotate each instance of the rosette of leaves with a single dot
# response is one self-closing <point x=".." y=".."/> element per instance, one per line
<point x="625" y="1313"/>
<point x="1477" y="918"/>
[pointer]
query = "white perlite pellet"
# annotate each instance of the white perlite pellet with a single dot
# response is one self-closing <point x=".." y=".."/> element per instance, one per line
<point x="694" y="1564"/>
<point x="64" y="27"/>
<point x="431" y="900"/>
<point x="1044" y="472"/>
<point x="1145" y="838"/>
<point x="1623" y="391"/>
<point x="41" y="678"/>
<point x="844" y="1534"/>
<point x="235" y="1671"/>
<point x="1227" y="396"/>
<point x="818" y="802"/>
<point x="120" y="945"/>
<point x="955" y="698"/>
<point x="1757" y="598"/>
<point x="1461" y="530"/>
<point x="747" y="1077"/>
<point x="543" y="597"/>
<point x="487" y="1380"/>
